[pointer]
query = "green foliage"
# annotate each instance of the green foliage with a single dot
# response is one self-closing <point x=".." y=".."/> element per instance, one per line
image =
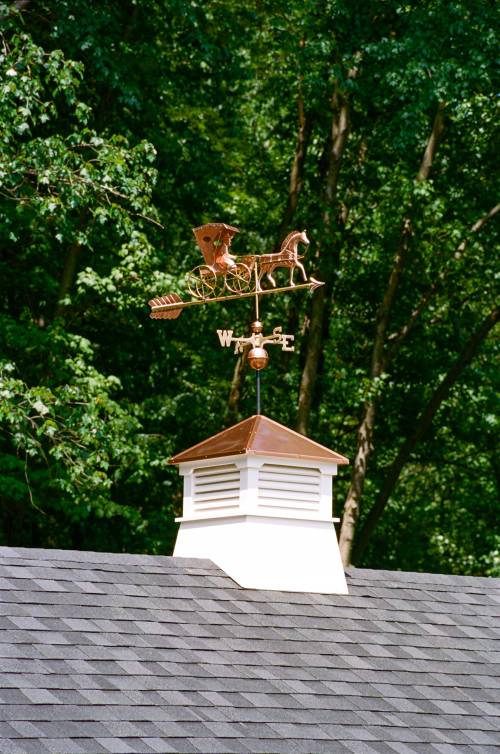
<point x="122" y="125"/>
<point x="71" y="454"/>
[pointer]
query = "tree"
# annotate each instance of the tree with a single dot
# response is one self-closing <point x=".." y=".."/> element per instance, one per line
<point x="373" y="126"/>
<point x="67" y="195"/>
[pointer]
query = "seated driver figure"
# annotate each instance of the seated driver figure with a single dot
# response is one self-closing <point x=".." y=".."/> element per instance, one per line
<point x="223" y="258"/>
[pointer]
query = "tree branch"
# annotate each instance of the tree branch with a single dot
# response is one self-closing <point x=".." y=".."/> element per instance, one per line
<point x="338" y="139"/>
<point x="304" y="130"/>
<point x="378" y="359"/>
<point x="397" y="338"/>
<point x="432" y="143"/>
<point x="236" y="388"/>
<point x="422" y="425"/>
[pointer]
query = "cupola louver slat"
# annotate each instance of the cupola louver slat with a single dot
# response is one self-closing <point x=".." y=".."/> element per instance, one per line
<point x="216" y="487"/>
<point x="289" y="487"/>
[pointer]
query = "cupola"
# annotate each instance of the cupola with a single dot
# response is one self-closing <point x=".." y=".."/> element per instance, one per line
<point x="258" y="503"/>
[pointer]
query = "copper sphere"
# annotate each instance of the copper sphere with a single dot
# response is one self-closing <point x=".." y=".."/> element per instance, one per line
<point x="258" y="358"/>
<point x="257" y="326"/>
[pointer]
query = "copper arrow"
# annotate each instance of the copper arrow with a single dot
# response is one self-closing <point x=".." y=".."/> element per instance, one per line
<point x="173" y="306"/>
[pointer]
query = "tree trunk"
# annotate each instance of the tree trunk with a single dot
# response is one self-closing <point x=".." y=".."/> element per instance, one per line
<point x="233" y="403"/>
<point x="297" y="171"/>
<point x="68" y="277"/>
<point x="422" y="425"/>
<point x="378" y="360"/>
<point x="365" y="432"/>
<point x="310" y="371"/>
<point x="337" y="140"/>
<point x="352" y="502"/>
<point x="432" y="144"/>
<point x="295" y="187"/>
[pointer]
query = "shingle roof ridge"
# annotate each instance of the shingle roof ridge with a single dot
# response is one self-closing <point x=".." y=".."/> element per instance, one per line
<point x="91" y="556"/>
<point x="360" y="575"/>
<point x="422" y="577"/>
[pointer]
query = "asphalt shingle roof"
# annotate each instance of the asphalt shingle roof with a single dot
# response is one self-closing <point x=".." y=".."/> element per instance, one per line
<point x="105" y="653"/>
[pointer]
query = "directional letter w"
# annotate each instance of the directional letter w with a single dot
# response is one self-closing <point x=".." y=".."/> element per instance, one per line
<point x="225" y="337"/>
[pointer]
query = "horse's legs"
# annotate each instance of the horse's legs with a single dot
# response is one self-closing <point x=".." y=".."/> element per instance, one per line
<point x="301" y="268"/>
<point x="260" y="275"/>
<point x="292" y="270"/>
<point x="270" y="277"/>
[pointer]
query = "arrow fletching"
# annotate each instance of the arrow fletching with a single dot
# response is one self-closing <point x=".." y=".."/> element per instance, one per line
<point x="168" y="300"/>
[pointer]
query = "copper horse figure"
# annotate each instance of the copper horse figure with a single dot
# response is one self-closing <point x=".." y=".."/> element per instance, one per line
<point x="288" y="257"/>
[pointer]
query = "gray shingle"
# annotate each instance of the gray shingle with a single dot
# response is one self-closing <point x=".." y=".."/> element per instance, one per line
<point x="108" y="653"/>
<point x="216" y="746"/>
<point x="29" y="746"/>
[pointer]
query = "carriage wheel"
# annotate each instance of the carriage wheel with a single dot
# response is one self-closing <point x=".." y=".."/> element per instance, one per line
<point x="238" y="278"/>
<point x="201" y="282"/>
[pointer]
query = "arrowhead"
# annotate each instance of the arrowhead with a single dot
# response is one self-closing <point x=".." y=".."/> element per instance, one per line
<point x="314" y="284"/>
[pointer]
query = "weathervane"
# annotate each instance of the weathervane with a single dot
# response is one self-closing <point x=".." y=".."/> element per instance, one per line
<point x="226" y="277"/>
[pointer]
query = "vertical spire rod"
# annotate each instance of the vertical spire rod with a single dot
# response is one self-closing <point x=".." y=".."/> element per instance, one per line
<point x="257" y="372"/>
<point x="256" y="292"/>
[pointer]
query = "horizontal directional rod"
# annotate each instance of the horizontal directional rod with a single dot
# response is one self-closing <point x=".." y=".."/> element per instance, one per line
<point x="177" y="305"/>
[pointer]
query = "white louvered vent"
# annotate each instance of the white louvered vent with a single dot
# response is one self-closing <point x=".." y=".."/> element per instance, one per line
<point x="216" y="487"/>
<point x="289" y="487"/>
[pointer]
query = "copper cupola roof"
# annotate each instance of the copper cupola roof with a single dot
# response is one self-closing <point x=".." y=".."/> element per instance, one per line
<point x="260" y="436"/>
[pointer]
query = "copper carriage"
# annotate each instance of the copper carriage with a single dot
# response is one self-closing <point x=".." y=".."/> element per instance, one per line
<point x="223" y="271"/>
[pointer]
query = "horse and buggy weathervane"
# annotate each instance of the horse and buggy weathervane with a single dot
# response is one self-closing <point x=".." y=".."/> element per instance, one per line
<point x="225" y="277"/>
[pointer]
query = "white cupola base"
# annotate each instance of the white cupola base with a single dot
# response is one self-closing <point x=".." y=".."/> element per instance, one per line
<point x="260" y="552"/>
<point x="258" y="503"/>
